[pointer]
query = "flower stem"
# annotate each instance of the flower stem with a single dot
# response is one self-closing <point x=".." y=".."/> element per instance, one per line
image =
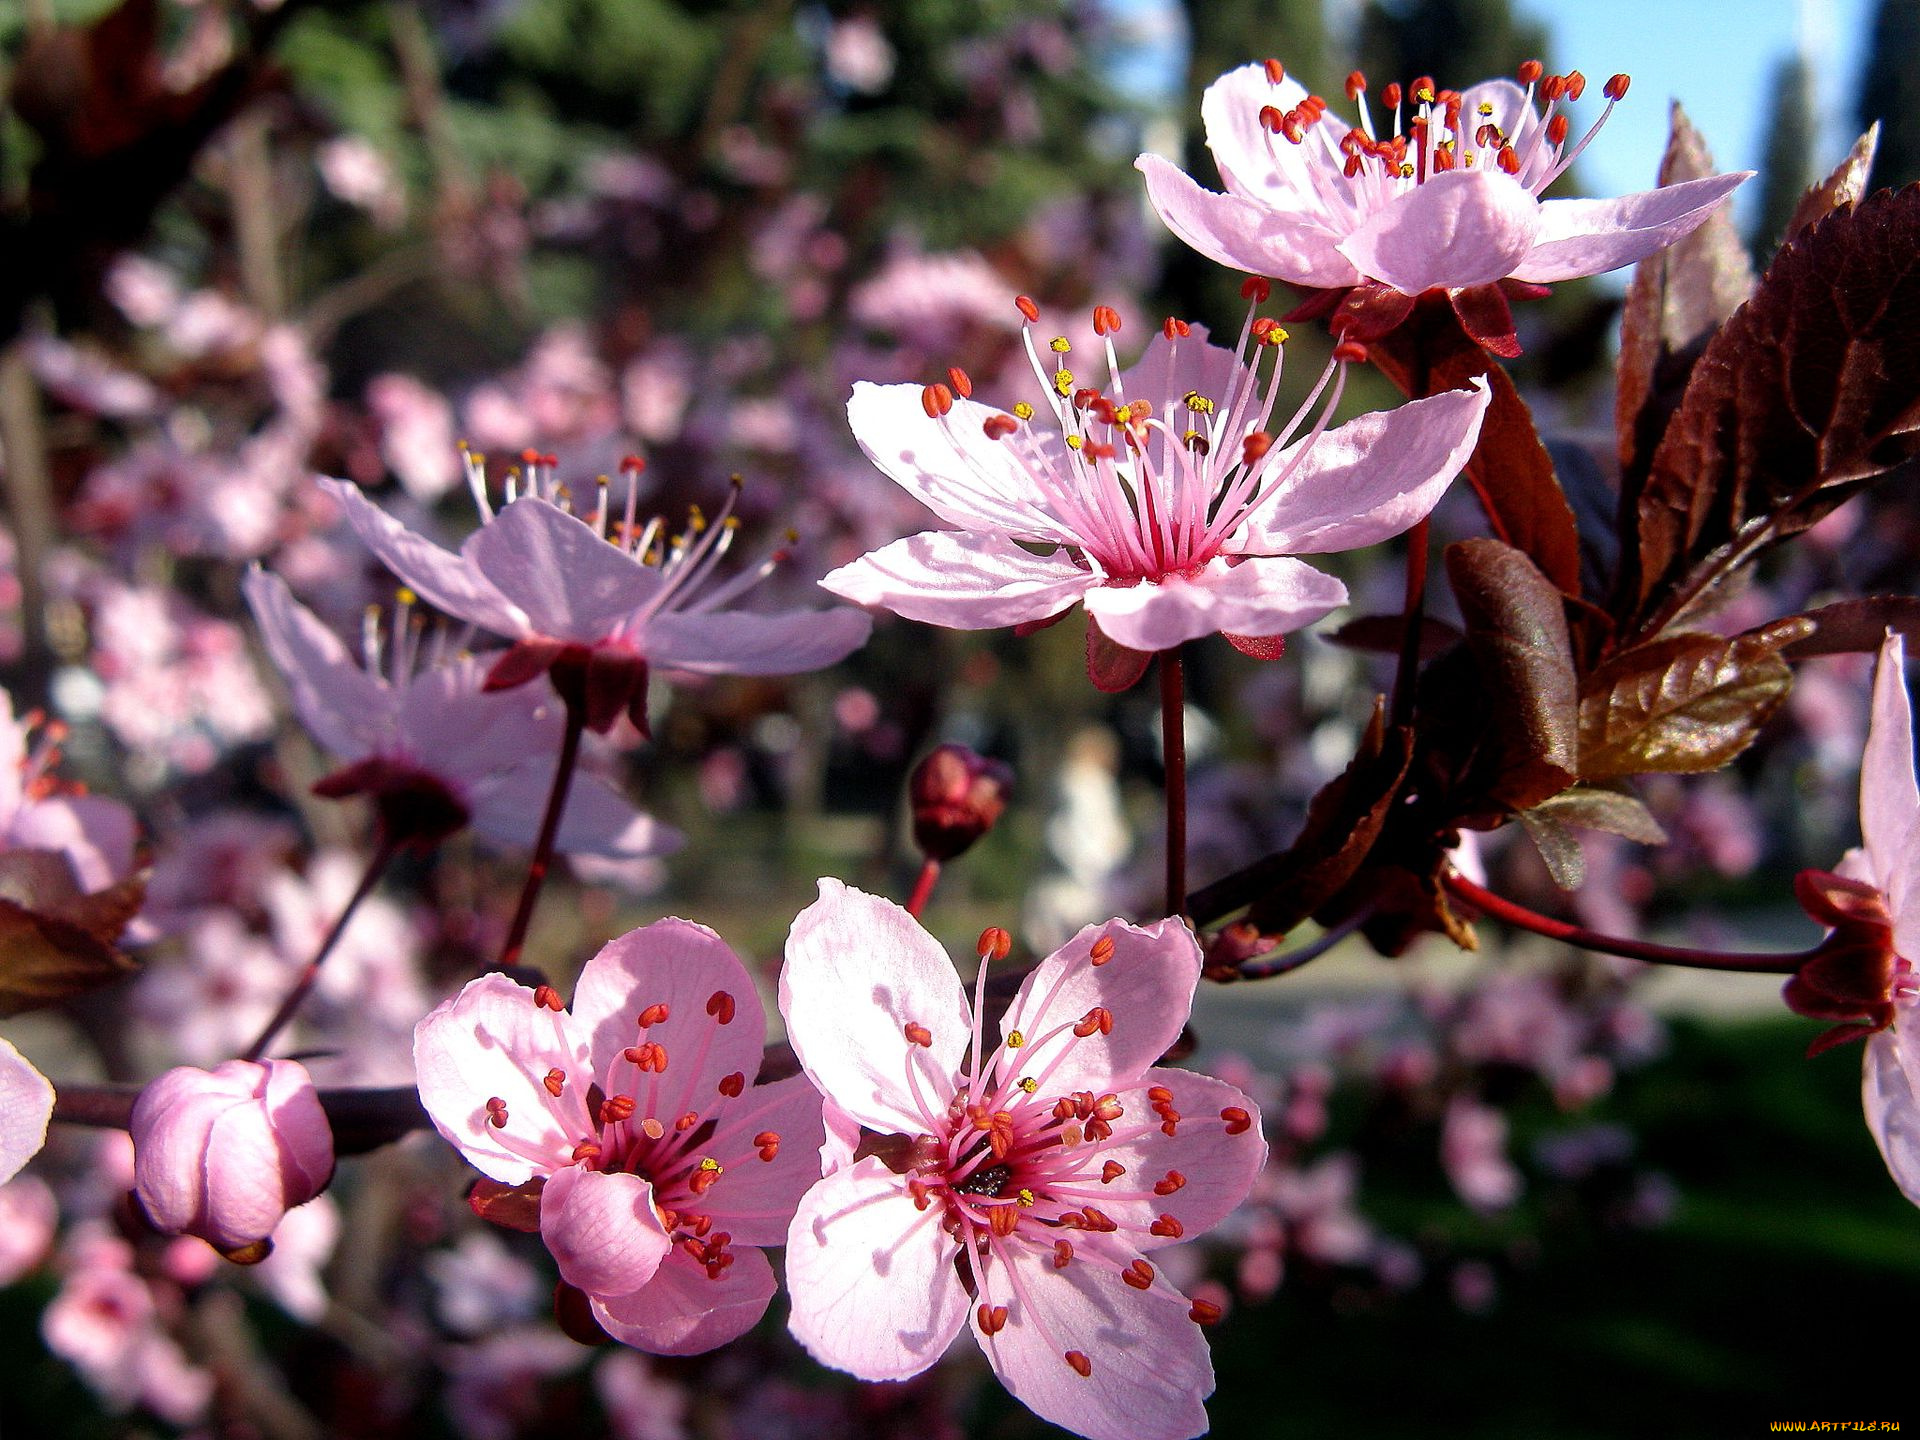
<point x="362" y="1119"/>
<point x="1749" y="962"/>
<point x="1412" y="617"/>
<point x="549" y="833"/>
<point x="297" y="996"/>
<point x="923" y="887"/>
<point x="1289" y="961"/>
<point x="1173" y="749"/>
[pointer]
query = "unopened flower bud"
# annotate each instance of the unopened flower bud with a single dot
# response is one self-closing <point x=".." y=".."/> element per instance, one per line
<point x="956" y="797"/>
<point x="224" y="1153"/>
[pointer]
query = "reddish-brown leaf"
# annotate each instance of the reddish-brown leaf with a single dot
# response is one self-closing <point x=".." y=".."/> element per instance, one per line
<point x="1111" y="666"/>
<point x="1856" y="627"/>
<point x="512" y="1207"/>
<point x="1847" y="185"/>
<point x="1683" y="703"/>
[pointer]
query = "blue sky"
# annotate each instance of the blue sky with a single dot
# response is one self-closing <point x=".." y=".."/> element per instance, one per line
<point x="1714" y="56"/>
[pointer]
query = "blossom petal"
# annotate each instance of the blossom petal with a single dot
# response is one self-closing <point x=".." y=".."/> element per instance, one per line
<point x="684" y="1311"/>
<point x="962" y="581"/>
<point x="1215" y="1165"/>
<point x="96" y="835"/>
<point x="1368" y="480"/>
<point x="754" y="1199"/>
<point x="1145" y="982"/>
<point x="568" y="581"/>
<point x="1243" y="235"/>
<point x="1149" y="1368"/>
<point x="345" y="709"/>
<point x="1257" y="596"/>
<point x="491" y="1041"/>
<point x="1890" y="796"/>
<point x="696" y="976"/>
<point x="1893" y="1108"/>
<point x="602" y="1230"/>
<point x="874" y="1288"/>
<point x="440" y="577"/>
<point x="598" y="819"/>
<point x="950" y="465"/>
<point x="26" y="1105"/>
<point x="1252" y="161"/>
<point x="739" y="642"/>
<point x="1461" y="228"/>
<point x="858" y="971"/>
<point x="1587" y="237"/>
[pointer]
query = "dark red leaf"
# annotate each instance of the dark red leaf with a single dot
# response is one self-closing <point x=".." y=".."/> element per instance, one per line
<point x="512" y="1207"/>
<point x="1110" y="665"/>
<point x="1856" y="627"/>
<point x="1847" y="185"/>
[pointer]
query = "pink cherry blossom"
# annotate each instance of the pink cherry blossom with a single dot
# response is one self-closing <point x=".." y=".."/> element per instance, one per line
<point x="1447" y="198"/>
<point x="224" y="1153"/>
<point x="419" y="732"/>
<point x="26" y="1105"/>
<point x="1052" y="1162"/>
<point x="38" y="811"/>
<point x="1889" y="861"/>
<point x="604" y="599"/>
<point x="28" y="1216"/>
<point x="663" y="1171"/>
<point x="1170" y="508"/>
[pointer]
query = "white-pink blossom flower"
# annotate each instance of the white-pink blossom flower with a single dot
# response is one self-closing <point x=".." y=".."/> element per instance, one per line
<point x="94" y="834"/>
<point x="664" y="1169"/>
<point x="28" y="1217"/>
<point x="1016" y="1188"/>
<point x="26" y="1105"/>
<point x="1166" y="504"/>
<point x="601" y="600"/>
<point x="420" y="733"/>
<point x="225" y="1153"/>
<point x="1445" y="197"/>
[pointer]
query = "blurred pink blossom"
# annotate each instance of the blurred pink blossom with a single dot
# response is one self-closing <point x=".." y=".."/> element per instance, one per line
<point x="26" y="1105"/>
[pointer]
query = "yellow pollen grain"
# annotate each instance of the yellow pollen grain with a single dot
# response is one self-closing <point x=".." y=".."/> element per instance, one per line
<point x="404" y="596"/>
<point x="1029" y="1084"/>
<point x="1197" y="403"/>
<point x="1024" y="1199"/>
<point x="1063" y="381"/>
<point x="710" y="1165"/>
<point x="1073" y="442"/>
<point x="1059" y="345"/>
<point x="1015" y="1039"/>
<point x="1023" y="411"/>
<point x="696" y="519"/>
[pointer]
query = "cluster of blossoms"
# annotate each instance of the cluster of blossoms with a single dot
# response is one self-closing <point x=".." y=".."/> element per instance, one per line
<point x="925" y="1169"/>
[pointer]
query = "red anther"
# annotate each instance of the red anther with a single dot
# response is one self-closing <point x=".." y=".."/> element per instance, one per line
<point x="547" y="998"/>
<point x="918" y="1034"/>
<point x="650" y="1057"/>
<point x="1085" y="396"/>
<point x="686" y="1122"/>
<point x="1099" y="1018"/>
<point x="1272" y="120"/>
<point x="1204" y="1312"/>
<point x="1486" y="134"/>
<point x="702" y="1223"/>
<point x="669" y="1219"/>
<point x="732" y="1085"/>
<point x="1000" y="1134"/>
<point x="1238" y="1120"/>
<point x="1557" y="130"/>
<point x="1276" y="72"/>
<point x="555" y="1082"/>
<point x="1255" y="447"/>
<point x="616" y="1108"/>
<point x="1062" y="1254"/>
<point x="1111" y="1171"/>
<point x="767" y="1142"/>
<point x="1139" y="1275"/>
<point x="1098" y="1130"/>
<point x="1391" y="96"/>
<point x="1509" y="160"/>
<point x="529" y="457"/>
<point x="653" y="1015"/>
<point x="1167" y="1228"/>
<point x="1443" y="156"/>
<point x="632" y="464"/>
<point x="1352" y="167"/>
<point x="1063" y="1109"/>
<point x="695" y="1248"/>
<point x="1616" y="88"/>
<point x="1530" y="72"/>
<point x="721" y="1239"/>
<point x="550" y="459"/>
<point x="1172" y="1183"/>
<point x="1291" y="127"/>
<point x="1101" y="951"/>
<point x="992" y="1318"/>
<point x="962" y="382"/>
<point x="1576" y="85"/>
<point x="998" y="427"/>
<point x="1553" y="88"/>
<point x="497" y="1113"/>
<point x="1109" y="1108"/>
<point x="1169" y="1122"/>
<point x="652" y="1128"/>
<point x="1106" y="320"/>
<point x="1003" y="1220"/>
<point x="1097" y="1220"/>
<point x="1351" y="352"/>
<point x="936" y="400"/>
<point x="720" y="1006"/>
<point x="1356" y="84"/>
<point x="701" y="1180"/>
<point x="994" y="944"/>
<point x="1312" y="108"/>
<point x="1083" y="1103"/>
<point x="586" y="1150"/>
<point x="1159" y="1095"/>
<point x="1423" y="89"/>
<point x="1082" y="1366"/>
<point x="1024" y="303"/>
<point x="922" y="1195"/>
<point x="1100" y="450"/>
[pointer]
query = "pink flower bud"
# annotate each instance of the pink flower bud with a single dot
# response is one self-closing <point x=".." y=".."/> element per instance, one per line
<point x="956" y="797"/>
<point x="223" y="1154"/>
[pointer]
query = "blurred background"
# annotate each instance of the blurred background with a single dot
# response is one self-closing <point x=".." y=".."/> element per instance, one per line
<point x="1517" y="1193"/>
